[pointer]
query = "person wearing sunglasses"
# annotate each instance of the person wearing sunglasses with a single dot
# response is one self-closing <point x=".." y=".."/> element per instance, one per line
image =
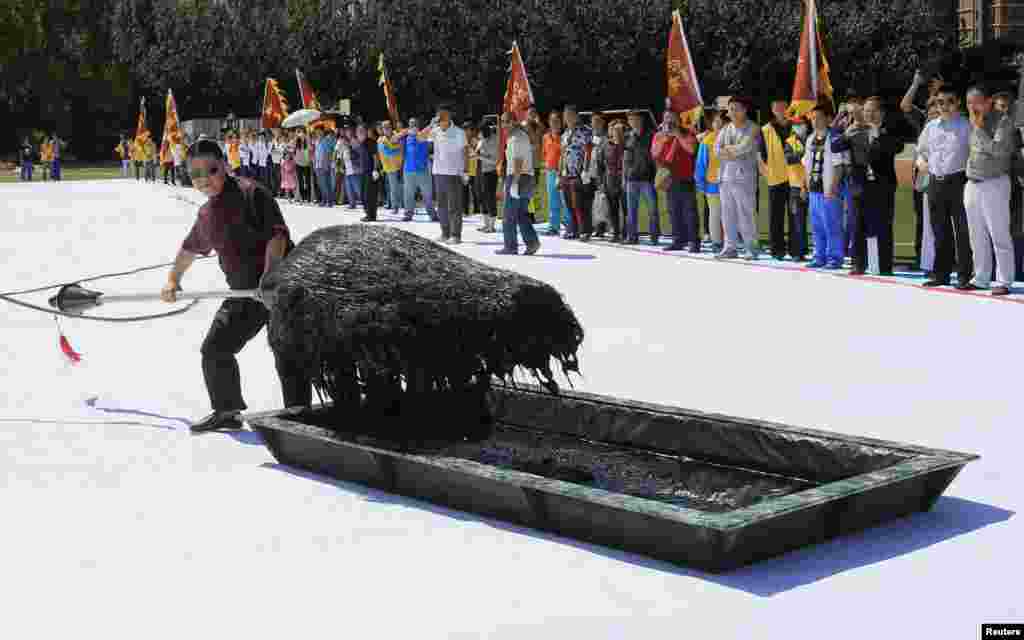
<point x="944" y="145"/>
<point x="242" y="222"/>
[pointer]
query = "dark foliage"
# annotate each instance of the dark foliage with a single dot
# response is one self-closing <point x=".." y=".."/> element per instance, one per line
<point x="80" y="66"/>
<point x="58" y="74"/>
<point x="391" y="323"/>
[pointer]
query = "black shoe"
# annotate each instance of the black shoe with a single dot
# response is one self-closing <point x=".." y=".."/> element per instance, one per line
<point x="585" y="237"/>
<point x="218" y="420"/>
<point x="968" y="286"/>
<point x="673" y="247"/>
<point x="936" y="283"/>
<point x="694" y="248"/>
<point x="506" y="252"/>
<point x="368" y="219"/>
<point x="654" y="241"/>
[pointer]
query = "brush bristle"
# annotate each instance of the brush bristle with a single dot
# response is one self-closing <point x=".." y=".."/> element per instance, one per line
<point x="388" y="322"/>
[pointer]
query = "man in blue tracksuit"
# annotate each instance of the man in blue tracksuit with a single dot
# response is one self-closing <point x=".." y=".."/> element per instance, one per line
<point x="415" y="170"/>
<point x="822" y="166"/>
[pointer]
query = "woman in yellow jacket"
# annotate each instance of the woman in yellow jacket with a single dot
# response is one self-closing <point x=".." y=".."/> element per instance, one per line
<point x="234" y="154"/>
<point x="124" y="154"/>
<point x="167" y="163"/>
<point x="46" y="158"/>
<point x="138" y="157"/>
<point x="706" y="178"/>
<point x="151" y="155"/>
<point x="795" y="172"/>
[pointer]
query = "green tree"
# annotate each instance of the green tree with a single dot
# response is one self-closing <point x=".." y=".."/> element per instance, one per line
<point x="57" y="73"/>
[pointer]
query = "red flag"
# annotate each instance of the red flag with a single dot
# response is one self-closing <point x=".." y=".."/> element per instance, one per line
<point x="309" y="100"/>
<point x="683" y="91"/>
<point x="141" y="130"/>
<point x="172" y="130"/>
<point x="275" y="107"/>
<point x="518" y="96"/>
<point x="812" y="84"/>
<point x="389" y="91"/>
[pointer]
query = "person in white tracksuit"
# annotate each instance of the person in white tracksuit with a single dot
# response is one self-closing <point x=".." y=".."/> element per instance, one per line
<point x="987" y="193"/>
<point x="737" y="148"/>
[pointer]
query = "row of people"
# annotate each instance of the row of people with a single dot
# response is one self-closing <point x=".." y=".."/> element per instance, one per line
<point x="48" y="154"/>
<point x="836" y="170"/>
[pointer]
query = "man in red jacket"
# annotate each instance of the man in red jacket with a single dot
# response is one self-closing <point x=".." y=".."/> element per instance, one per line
<point x="675" y="148"/>
<point x="243" y="224"/>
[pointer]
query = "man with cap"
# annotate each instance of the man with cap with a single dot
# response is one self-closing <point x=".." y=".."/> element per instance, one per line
<point x="242" y="222"/>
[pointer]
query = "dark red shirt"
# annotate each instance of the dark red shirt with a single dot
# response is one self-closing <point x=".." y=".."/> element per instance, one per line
<point x="669" y="151"/>
<point x="238" y="224"/>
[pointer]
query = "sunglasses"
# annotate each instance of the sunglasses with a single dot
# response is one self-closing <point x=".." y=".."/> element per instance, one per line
<point x="202" y="174"/>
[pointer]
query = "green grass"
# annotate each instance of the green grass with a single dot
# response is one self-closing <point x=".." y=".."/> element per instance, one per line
<point x="84" y="172"/>
<point x="903" y="229"/>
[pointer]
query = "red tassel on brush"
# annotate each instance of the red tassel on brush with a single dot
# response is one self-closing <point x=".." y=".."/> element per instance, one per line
<point x="71" y="354"/>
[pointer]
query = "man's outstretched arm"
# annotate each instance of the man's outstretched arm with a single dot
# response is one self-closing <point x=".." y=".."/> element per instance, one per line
<point x="182" y="262"/>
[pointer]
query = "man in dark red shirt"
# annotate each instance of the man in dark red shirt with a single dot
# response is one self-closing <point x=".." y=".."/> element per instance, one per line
<point x="675" y="149"/>
<point x="243" y="224"/>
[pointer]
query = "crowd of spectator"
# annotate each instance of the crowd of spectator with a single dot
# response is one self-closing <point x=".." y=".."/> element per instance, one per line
<point x="831" y="178"/>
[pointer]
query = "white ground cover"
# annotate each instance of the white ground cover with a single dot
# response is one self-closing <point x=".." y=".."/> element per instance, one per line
<point x="117" y="523"/>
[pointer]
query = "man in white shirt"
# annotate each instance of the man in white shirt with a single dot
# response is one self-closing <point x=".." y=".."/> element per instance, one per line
<point x="263" y="158"/>
<point x="943" y="148"/>
<point x="449" y="172"/>
<point x="520" y="182"/>
<point x="244" y="155"/>
<point x="277" y="147"/>
<point x="178" y="156"/>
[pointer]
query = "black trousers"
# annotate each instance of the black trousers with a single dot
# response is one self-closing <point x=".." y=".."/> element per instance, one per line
<point x="949" y="224"/>
<point x="797" y="224"/>
<point x="872" y="217"/>
<point x="487" y="193"/>
<point x="579" y="200"/>
<point x="448" y="201"/>
<point x="305" y="177"/>
<point x="275" y="179"/>
<point x="469" y="198"/>
<point x="237" y="322"/>
<point x="778" y="203"/>
<point x="370" y="194"/>
<point x="919" y="224"/>
<point x="616" y="206"/>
